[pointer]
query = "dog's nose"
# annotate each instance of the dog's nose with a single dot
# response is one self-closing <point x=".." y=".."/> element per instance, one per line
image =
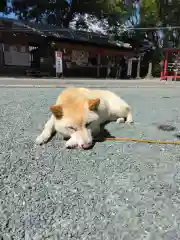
<point x="85" y="145"/>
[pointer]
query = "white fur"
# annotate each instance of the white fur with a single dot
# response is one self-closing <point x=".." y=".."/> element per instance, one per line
<point x="47" y="131"/>
<point x="77" y="141"/>
<point x="111" y="108"/>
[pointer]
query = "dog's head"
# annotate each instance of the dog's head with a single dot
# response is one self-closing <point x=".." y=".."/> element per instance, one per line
<point x="74" y="119"/>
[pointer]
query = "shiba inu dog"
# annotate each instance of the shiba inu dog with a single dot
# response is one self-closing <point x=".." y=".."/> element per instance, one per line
<point x="79" y="112"/>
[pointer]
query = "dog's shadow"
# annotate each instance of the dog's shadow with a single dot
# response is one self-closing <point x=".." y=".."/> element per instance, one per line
<point x="104" y="133"/>
<point x="51" y="137"/>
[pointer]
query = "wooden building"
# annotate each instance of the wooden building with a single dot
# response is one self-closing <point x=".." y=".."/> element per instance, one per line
<point x="26" y="47"/>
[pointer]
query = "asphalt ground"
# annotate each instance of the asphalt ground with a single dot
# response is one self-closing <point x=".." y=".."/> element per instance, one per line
<point x="85" y="82"/>
<point x="116" y="190"/>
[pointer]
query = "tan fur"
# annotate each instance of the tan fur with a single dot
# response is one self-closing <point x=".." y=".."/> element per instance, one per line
<point x="77" y="107"/>
<point x="57" y="111"/>
<point x="93" y="103"/>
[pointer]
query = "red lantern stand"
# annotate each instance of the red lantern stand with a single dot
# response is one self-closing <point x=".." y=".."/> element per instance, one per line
<point x="169" y="67"/>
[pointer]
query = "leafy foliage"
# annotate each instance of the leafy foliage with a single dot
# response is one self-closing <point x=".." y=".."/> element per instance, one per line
<point x="62" y="12"/>
<point x="2" y="5"/>
<point x="149" y="13"/>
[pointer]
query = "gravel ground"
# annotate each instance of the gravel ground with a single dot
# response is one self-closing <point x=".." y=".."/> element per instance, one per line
<point x="117" y="190"/>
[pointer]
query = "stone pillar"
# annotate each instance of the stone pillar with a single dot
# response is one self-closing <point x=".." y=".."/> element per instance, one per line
<point x="138" y="68"/>
<point x="129" y="68"/>
<point x="149" y="74"/>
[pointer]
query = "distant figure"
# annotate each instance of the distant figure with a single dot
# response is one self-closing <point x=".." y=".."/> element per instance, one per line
<point x="118" y="71"/>
<point x="123" y="67"/>
<point x="109" y="69"/>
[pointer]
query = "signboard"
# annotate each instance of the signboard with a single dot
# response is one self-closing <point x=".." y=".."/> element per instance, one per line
<point x="59" y="64"/>
<point x="80" y="57"/>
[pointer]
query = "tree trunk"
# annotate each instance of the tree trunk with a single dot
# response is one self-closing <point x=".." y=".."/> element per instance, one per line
<point x="98" y="64"/>
<point x="68" y="19"/>
<point x="149" y="74"/>
<point x="69" y="16"/>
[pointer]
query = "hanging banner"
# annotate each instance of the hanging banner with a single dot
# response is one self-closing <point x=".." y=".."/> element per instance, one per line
<point x="59" y="64"/>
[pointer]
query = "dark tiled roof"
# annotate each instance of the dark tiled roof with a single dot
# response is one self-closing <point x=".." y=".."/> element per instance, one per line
<point x="55" y="32"/>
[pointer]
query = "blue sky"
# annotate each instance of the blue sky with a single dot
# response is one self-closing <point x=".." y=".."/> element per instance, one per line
<point x="11" y="15"/>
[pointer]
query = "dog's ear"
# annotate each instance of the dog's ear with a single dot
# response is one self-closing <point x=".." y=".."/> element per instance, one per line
<point x="56" y="110"/>
<point x="93" y="103"/>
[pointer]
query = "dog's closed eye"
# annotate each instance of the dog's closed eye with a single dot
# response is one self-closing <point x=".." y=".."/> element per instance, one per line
<point x="72" y="128"/>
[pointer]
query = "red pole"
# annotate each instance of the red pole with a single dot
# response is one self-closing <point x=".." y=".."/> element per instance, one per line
<point x="162" y="67"/>
<point x="165" y="65"/>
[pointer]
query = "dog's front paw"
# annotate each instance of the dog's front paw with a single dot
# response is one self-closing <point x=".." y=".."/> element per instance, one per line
<point x="70" y="144"/>
<point x="120" y="120"/>
<point x="39" y="140"/>
<point x="130" y="122"/>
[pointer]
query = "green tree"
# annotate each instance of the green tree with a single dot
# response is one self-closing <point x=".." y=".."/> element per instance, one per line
<point x="149" y="13"/>
<point x="149" y="18"/>
<point x="2" y="5"/>
<point x="62" y="12"/>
